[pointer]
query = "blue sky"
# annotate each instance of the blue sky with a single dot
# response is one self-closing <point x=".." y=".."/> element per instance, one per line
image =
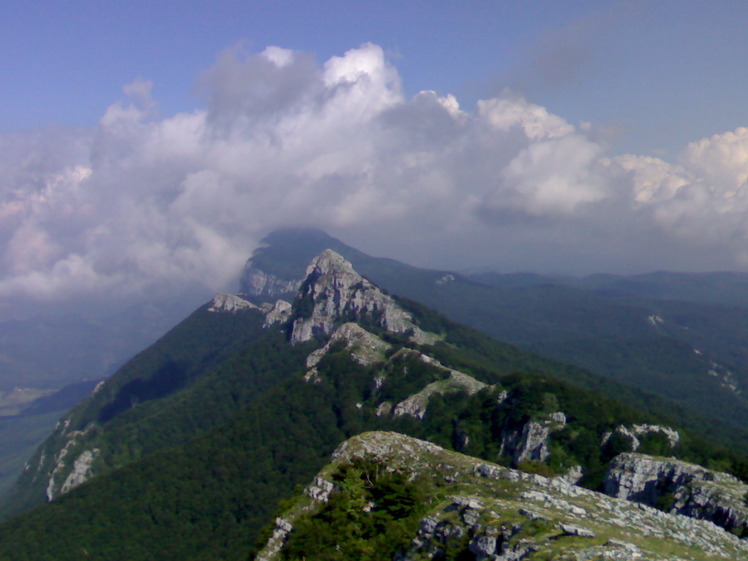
<point x="660" y="73"/>
<point x="144" y="144"/>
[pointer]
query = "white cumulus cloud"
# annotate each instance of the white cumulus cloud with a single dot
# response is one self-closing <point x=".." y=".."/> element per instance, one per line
<point x="143" y="201"/>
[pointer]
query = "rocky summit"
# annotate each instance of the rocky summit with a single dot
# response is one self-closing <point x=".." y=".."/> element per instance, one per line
<point x="333" y="290"/>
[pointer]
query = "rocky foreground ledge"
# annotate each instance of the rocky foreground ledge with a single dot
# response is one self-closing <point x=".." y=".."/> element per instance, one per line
<point x="488" y="512"/>
<point x="680" y="488"/>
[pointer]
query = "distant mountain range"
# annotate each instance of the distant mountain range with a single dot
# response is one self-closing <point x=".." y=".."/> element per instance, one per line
<point x="194" y="446"/>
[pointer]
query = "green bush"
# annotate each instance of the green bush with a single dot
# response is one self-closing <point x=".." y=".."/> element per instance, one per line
<point x="373" y="514"/>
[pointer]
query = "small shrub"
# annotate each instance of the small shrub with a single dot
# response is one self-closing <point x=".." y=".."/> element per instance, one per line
<point x="665" y="502"/>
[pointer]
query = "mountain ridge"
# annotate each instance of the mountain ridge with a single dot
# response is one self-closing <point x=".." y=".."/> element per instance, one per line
<point x="195" y="472"/>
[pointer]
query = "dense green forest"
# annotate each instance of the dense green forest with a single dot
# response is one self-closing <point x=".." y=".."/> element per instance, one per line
<point x="208" y="498"/>
<point x="360" y="533"/>
<point x="190" y="381"/>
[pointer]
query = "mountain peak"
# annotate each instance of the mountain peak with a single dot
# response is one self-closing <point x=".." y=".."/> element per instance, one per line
<point x="277" y="266"/>
<point x="330" y="262"/>
<point x="334" y="293"/>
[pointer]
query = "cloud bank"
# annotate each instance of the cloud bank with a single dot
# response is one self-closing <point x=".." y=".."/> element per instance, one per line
<point x="143" y="200"/>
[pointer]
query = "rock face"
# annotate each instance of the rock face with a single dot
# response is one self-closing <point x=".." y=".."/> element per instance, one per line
<point x="364" y="348"/>
<point x="333" y="292"/>
<point x="634" y="432"/>
<point x="484" y="511"/>
<point x="82" y="470"/>
<point x="255" y="282"/>
<point x="229" y="303"/>
<point x="279" y="313"/>
<point x="681" y="488"/>
<point x="531" y="443"/>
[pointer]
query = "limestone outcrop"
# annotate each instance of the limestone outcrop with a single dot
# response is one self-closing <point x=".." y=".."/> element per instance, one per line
<point x="82" y="470"/>
<point x="635" y="432"/>
<point x="416" y="405"/>
<point x="365" y="348"/>
<point x="333" y="292"/>
<point x="255" y="282"/>
<point x="229" y="303"/>
<point x="530" y="443"/>
<point x="680" y="488"/>
<point x="280" y="312"/>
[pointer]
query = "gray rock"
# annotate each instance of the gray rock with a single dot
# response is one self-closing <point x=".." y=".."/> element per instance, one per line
<point x="416" y="405"/>
<point x="572" y="476"/>
<point x="623" y="431"/>
<point x="336" y="292"/>
<point x="531" y="442"/>
<point x="384" y="408"/>
<point x="365" y="348"/>
<point x="229" y="303"/>
<point x="483" y="545"/>
<point x="573" y="530"/>
<point x="672" y="435"/>
<point x="499" y="514"/>
<point x="681" y="488"/>
<point x="320" y="490"/>
<point x="634" y="432"/>
<point x="279" y="313"/>
<point x="82" y="470"/>
<point x="628" y="548"/>
<point x="59" y="463"/>
<point x="278" y="538"/>
<point x="256" y="282"/>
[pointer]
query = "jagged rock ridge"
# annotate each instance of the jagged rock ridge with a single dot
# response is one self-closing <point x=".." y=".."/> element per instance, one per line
<point x="335" y="291"/>
<point x="416" y="404"/>
<point x="365" y="348"/>
<point x="531" y="440"/>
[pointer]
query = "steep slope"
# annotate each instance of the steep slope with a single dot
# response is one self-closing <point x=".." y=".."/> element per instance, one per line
<point x="51" y="359"/>
<point x="691" y="351"/>
<point x="268" y="428"/>
<point x="191" y="380"/>
<point x="395" y="497"/>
